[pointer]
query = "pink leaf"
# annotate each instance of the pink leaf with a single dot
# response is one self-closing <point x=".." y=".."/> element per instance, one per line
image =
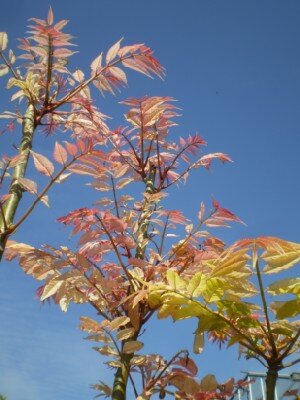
<point x="42" y="164"/>
<point x="71" y="149"/>
<point x="60" y="154"/>
<point x="29" y="185"/>
<point x="50" y="16"/>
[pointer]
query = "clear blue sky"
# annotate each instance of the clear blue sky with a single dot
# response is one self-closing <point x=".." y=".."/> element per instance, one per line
<point x="234" y="66"/>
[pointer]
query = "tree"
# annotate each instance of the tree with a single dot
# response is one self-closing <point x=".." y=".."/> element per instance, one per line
<point x="129" y="264"/>
<point x="56" y="99"/>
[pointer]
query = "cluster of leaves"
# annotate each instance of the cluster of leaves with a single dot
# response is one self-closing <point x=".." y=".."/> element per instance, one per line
<point x="56" y="99"/>
<point x="122" y="241"/>
<point x="217" y="295"/>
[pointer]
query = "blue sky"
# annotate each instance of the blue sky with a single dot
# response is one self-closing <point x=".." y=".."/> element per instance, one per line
<point x="234" y="66"/>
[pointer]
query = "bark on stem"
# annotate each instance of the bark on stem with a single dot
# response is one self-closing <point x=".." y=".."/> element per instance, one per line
<point x="122" y="374"/>
<point x="11" y="205"/>
<point x="271" y="379"/>
<point x="121" y="378"/>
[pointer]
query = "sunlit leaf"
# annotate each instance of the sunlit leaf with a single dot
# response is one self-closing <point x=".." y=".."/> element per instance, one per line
<point x="42" y="164"/>
<point x="132" y="346"/>
<point x="3" y="41"/>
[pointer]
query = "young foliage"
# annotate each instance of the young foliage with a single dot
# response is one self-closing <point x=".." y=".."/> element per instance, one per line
<point x="124" y="243"/>
<point x="217" y="294"/>
<point x="56" y="98"/>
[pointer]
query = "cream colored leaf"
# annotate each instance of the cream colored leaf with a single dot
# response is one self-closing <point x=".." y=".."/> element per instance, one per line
<point x="62" y="177"/>
<point x="118" y="73"/>
<point x="3" y="69"/>
<point x="132" y="346"/>
<point x="113" y="51"/>
<point x="12" y="57"/>
<point x="125" y="334"/>
<point x="51" y="288"/>
<point x="29" y="185"/>
<point x="45" y="200"/>
<point x="124" y="182"/>
<point x="3" y="41"/>
<point x="78" y="75"/>
<point x="118" y="322"/>
<point x="96" y="63"/>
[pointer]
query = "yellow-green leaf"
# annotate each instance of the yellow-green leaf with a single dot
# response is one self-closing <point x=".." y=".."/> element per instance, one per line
<point x="196" y="285"/>
<point x="280" y="256"/>
<point x="175" y="281"/>
<point x="286" y="309"/>
<point x="285" y="286"/>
